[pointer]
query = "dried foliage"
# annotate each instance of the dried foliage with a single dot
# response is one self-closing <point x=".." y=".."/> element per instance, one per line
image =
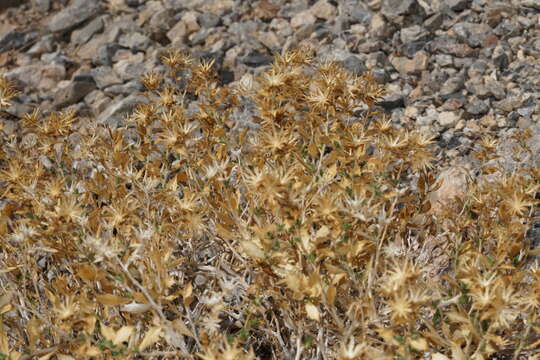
<point x="265" y="222"/>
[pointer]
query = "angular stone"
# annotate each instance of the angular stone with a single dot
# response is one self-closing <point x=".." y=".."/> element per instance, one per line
<point x="73" y="93"/>
<point x="356" y="12"/>
<point x="40" y="76"/>
<point x="303" y="18"/>
<point x="134" y="41"/>
<point x="209" y="20"/>
<point x="413" y="33"/>
<point x="407" y="66"/>
<point x="449" y="45"/>
<point x="73" y="15"/>
<point x="178" y="33"/>
<point x="475" y="35"/>
<point x="15" y="39"/>
<point x="477" y="107"/>
<point x="448" y="119"/>
<point x="533" y="4"/>
<point x="104" y="77"/>
<point x="131" y="87"/>
<point x="453" y="184"/>
<point x="394" y="8"/>
<point x="323" y="10"/>
<point x="457" y="5"/>
<point x="4" y="4"/>
<point x="114" y="113"/>
<point x="41" y="5"/>
<point x="131" y="68"/>
<point x="81" y="36"/>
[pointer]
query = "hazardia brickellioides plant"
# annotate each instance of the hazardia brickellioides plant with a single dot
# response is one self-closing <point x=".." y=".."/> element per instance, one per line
<point x="271" y="220"/>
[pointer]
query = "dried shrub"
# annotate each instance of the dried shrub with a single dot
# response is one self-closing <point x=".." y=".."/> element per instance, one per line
<point x="263" y="221"/>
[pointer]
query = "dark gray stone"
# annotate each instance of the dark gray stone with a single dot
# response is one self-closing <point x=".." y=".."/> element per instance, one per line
<point x="4" y="4"/>
<point x="74" y="92"/>
<point x="105" y="53"/>
<point x="394" y="8"/>
<point x="392" y="101"/>
<point x="73" y="15"/>
<point x="81" y="36"/>
<point x="501" y="57"/>
<point x="134" y="41"/>
<point x="477" y="107"/>
<point x="41" y="5"/>
<point x="475" y="35"/>
<point x="354" y="65"/>
<point x="356" y="13"/>
<point x="131" y="87"/>
<point x="434" y="22"/>
<point x="208" y="20"/>
<point x="104" y="77"/>
<point x="457" y="5"/>
<point x="15" y="39"/>
<point x="255" y="59"/>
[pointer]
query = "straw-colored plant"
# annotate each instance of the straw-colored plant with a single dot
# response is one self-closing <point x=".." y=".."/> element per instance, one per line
<point x="265" y="221"/>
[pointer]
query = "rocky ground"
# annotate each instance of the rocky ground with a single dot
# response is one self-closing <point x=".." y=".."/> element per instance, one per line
<point x="459" y="69"/>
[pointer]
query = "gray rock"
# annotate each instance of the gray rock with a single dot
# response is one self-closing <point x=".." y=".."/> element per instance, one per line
<point x="40" y="76"/>
<point x="73" y="15"/>
<point x="436" y="80"/>
<point x="134" y="3"/>
<point x="114" y="113"/>
<point x="45" y="45"/>
<point x="162" y="20"/>
<point x="477" y="87"/>
<point x="354" y="65"/>
<point x="477" y="69"/>
<point x="4" y="4"/>
<point x="428" y="119"/>
<point x="508" y="104"/>
<point x="131" y="87"/>
<point x="134" y="41"/>
<point x="533" y="4"/>
<point x="394" y="8"/>
<point x="452" y="85"/>
<point x="356" y="12"/>
<point x="501" y="57"/>
<point x="496" y="89"/>
<point x="448" y="119"/>
<point x="444" y="60"/>
<point x="16" y="39"/>
<point x="97" y="101"/>
<point x="449" y="45"/>
<point x="475" y="35"/>
<point x="526" y="111"/>
<point x="41" y="5"/>
<point x="81" y="36"/>
<point x="434" y="22"/>
<point x="104" y="77"/>
<point x="303" y="18"/>
<point x="413" y="34"/>
<point x="208" y="20"/>
<point x="74" y="92"/>
<point x="18" y="109"/>
<point x="132" y="68"/>
<point x="457" y="5"/>
<point x="477" y="107"/>
<point x="410" y="66"/>
<point x="255" y="59"/>
<point x="104" y="54"/>
<point x="392" y="101"/>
